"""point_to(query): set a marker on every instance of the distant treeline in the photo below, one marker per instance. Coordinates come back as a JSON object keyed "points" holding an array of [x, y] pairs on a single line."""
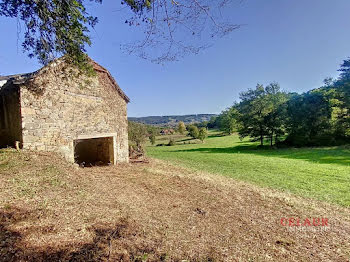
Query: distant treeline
{"points": [[171, 121], [318, 117]]}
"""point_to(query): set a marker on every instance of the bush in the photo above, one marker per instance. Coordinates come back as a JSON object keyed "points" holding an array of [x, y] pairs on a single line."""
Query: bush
{"points": [[152, 139], [181, 128], [203, 134], [193, 131], [137, 137], [171, 142]]}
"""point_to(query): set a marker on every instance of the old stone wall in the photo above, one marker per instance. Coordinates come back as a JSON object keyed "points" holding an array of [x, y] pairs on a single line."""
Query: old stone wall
{"points": [[60, 105]]}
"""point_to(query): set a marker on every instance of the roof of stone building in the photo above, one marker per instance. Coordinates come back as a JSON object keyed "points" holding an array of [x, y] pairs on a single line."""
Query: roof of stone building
{"points": [[19, 78], [99, 68], [22, 78], [8, 77]]}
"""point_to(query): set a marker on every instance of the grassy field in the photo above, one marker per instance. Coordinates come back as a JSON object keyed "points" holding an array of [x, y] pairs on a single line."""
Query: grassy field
{"points": [[151, 212], [320, 173]]}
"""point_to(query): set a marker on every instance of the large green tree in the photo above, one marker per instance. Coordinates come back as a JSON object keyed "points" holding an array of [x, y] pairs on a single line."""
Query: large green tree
{"points": [[321, 116], [57, 27], [309, 119], [275, 117], [253, 109], [342, 94], [318, 117], [52, 27], [261, 113], [227, 120]]}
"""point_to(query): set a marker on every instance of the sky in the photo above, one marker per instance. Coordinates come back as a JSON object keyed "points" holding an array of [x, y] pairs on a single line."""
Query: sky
{"points": [[297, 43]]}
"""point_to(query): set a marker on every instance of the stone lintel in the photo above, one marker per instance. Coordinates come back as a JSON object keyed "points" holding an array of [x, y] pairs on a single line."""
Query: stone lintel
{"points": [[101, 135]]}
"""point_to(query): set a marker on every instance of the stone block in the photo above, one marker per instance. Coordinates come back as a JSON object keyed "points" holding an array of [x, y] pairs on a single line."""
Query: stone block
{"points": [[30, 139], [27, 111]]}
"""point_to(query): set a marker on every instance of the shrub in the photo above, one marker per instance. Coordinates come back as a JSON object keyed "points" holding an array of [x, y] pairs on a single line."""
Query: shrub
{"points": [[152, 139], [203, 134], [171, 142], [193, 131], [137, 137], [181, 128]]}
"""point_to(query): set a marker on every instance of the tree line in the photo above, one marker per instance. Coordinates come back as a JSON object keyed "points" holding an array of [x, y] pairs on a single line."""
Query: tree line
{"points": [[318, 117], [139, 133]]}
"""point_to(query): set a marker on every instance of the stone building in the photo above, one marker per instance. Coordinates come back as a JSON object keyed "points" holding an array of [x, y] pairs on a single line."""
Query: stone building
{"points": [[59, 109]]}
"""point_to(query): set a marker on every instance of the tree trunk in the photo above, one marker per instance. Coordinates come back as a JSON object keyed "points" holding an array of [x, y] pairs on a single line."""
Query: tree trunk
{"points": [[261, 135], [271, 138]]}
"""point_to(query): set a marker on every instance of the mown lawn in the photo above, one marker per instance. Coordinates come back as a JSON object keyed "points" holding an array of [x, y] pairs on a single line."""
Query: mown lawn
{"points": [[320, 173]]}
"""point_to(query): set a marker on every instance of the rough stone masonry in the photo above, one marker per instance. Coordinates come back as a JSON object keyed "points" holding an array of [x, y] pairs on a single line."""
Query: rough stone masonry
{"points": [[53, 108]]}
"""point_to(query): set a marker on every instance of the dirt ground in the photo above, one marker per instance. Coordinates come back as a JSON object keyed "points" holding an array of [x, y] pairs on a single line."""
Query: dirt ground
{"points": [[51, 211]]}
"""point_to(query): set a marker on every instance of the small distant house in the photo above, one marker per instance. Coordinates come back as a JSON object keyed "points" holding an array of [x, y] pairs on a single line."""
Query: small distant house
{"points": [[167, 131], [59, 109]]}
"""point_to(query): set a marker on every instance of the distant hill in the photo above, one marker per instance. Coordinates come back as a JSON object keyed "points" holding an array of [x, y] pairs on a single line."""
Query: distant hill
{"points": [[172, 120]]}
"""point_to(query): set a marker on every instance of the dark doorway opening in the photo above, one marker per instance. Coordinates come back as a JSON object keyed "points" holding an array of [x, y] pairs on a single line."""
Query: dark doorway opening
{"points": [[94, 151], [10, 118]]}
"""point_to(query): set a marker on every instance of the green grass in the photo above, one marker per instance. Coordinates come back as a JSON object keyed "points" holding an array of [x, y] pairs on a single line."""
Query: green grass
{"points": [[320, 173]]}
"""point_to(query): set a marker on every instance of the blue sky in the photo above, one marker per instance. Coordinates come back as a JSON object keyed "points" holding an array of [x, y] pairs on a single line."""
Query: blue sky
{"points": [[294, 42]]}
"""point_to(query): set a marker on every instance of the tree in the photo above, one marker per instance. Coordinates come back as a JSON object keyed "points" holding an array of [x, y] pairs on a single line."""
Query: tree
{"points": [[252, 110], [341, 90], [52, 27], [203, 134], [201, 124], [262, 113], [181, 127], [213, 122], [193, 131], [318, 117], [152, 138], [227, 120], [177, 28], [321, 116], [152, 131], [137, 136], [345, 70], [61, 27], [309, 119], [276, 115]]}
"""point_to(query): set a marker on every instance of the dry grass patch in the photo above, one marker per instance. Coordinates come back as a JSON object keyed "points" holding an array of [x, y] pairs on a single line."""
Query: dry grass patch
{"points": [[153, 212]]}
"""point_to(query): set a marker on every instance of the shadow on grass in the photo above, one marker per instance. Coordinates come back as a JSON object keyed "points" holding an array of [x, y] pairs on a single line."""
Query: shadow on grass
{"points": [[217, 135], [124, 234], [186, 139], [322, 155]]}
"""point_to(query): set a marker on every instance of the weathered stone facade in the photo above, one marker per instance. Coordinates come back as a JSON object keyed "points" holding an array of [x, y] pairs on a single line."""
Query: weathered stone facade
{"points": [[59, 106]]}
